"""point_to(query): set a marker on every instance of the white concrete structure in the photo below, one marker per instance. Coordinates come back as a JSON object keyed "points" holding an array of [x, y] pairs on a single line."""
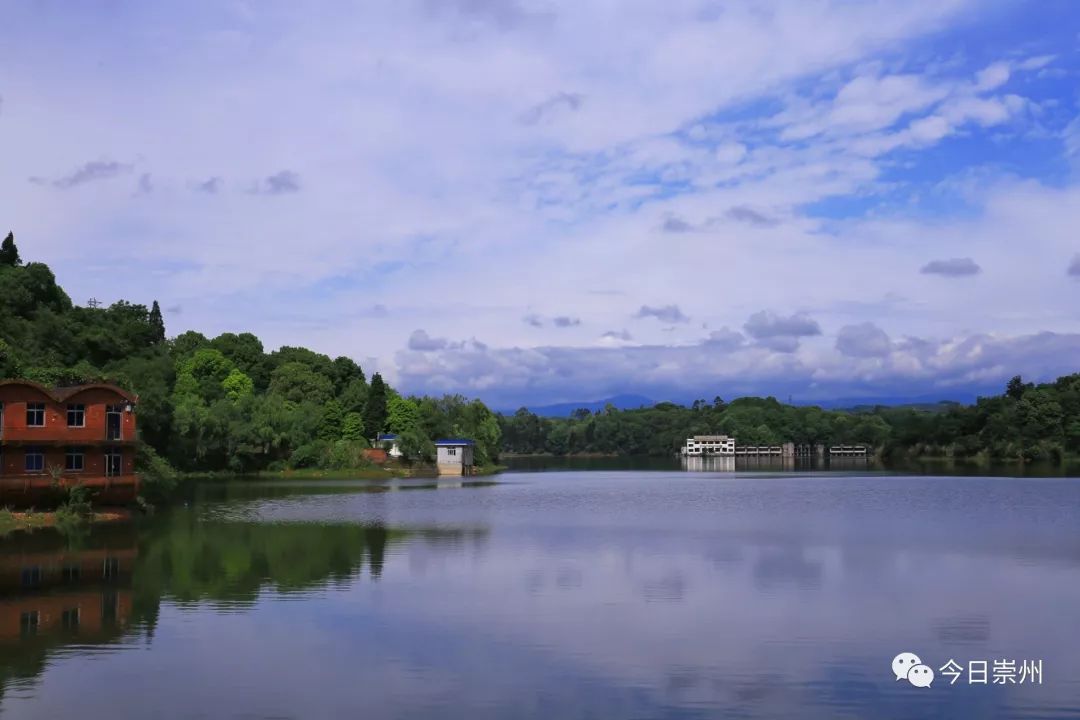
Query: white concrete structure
{"points": [[388, 442], [454, 456], [849, 450], [709, 445]]}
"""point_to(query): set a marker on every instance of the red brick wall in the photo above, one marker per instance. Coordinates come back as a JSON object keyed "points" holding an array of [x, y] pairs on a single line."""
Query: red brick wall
{"points": [[13, 460], [95, 400], [375, 455]]}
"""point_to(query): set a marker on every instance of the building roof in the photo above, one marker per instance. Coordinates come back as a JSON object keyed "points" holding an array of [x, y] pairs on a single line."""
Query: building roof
{"points": [[454, 442], [60, 394], [385, 436]]}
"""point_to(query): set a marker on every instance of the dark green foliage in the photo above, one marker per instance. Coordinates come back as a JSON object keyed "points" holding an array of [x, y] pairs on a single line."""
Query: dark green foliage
{"points": [[354, 398], [159, 480], [416, 447], [296, 381], [344, 371], [375, 409], [157, 323], [245, 351], [352, 428], [332, 421], [9, 254], [187, 343], [331, 455], [10, 365]]}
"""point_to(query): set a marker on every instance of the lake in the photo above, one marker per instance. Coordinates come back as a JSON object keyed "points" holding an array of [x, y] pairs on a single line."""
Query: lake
{"points": [[600, 594]]}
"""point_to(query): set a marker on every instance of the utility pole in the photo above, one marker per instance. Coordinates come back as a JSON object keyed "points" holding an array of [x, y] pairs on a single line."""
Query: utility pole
{"points": [[93, 303]]}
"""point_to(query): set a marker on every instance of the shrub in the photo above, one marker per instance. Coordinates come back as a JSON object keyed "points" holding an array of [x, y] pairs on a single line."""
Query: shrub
{"points": [[308, 455], [159, 479], [346, 455]]}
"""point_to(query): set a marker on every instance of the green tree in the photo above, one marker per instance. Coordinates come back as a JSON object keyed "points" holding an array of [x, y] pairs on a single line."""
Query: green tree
{"points": [[9, 254], [246, 352], [354, 398], [375, 410], [332, 421], [295, 381], [415, 446], [9, 364], [187, 343], [343, 371], [237, 385], [204, 373], [402, 414], [157, 323], [352, 428]]}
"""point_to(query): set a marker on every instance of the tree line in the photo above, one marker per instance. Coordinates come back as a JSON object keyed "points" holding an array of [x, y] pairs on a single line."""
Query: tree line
{"points": [[221, 403], [1026, 422]]}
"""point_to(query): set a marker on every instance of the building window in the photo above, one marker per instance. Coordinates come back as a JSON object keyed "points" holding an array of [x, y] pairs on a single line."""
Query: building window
{"points": [[70, 573], [110, 568], [76, 416], [31, 576], [28, 622], [69, 619], [113, 422], [113, 462], [451, 451], [74, 460], [35, 414], [35, 460]]}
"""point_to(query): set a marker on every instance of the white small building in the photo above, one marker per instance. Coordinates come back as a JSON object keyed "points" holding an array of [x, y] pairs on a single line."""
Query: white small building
{"points": [[389, 443], [454, 456], [709, 445]]}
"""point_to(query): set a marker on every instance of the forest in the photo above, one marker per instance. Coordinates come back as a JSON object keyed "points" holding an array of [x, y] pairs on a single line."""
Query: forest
{"points": [[1026, 422], [221, 403]]}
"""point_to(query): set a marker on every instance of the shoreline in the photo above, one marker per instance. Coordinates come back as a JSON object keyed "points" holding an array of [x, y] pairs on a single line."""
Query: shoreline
{"points": [[23, 520], [375, 473]]}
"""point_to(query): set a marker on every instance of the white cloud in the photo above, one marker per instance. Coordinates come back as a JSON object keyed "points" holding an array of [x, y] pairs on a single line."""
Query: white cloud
{"points": [[992, 77], [474, 164]]}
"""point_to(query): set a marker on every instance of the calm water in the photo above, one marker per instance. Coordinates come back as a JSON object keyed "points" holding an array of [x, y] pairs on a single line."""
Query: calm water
{"points": [[554, 595]]}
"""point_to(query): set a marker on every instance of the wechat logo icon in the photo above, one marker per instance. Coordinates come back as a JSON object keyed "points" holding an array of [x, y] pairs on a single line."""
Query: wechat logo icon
{"points": [[908, 666]]}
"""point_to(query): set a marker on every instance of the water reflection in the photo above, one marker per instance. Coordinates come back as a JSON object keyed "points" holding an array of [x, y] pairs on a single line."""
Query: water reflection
{"points": [[53, 593], [924, 466], [571, 595]]}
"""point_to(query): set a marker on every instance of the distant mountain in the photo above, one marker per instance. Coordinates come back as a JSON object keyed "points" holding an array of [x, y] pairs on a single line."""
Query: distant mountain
{"points": [[926, 403], [622, 402]]}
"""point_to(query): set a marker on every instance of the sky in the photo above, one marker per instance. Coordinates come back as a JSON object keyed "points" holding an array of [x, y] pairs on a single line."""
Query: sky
{"points": [[534, 201]]}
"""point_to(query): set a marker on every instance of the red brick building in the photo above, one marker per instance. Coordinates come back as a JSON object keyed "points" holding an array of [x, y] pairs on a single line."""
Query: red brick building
{"points": [[66, 436]]}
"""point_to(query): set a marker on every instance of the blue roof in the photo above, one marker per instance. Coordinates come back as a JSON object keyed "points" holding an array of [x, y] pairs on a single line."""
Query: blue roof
{"points": [[386, 436], [454, 441]]}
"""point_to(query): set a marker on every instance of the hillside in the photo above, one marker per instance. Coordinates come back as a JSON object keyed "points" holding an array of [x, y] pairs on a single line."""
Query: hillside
{"points": [[221, 403]]}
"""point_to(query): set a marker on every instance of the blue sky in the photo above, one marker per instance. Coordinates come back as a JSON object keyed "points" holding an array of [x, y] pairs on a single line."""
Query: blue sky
{"points": [[535, 201]]}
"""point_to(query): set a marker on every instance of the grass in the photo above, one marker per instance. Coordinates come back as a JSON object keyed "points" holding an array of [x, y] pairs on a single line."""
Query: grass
{"points": [[29, 520], [64, 519]]}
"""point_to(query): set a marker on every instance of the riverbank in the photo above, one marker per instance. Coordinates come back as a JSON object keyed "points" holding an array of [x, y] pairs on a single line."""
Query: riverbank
{"points": [[513, 456], [388, 472], [12, 520]]}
